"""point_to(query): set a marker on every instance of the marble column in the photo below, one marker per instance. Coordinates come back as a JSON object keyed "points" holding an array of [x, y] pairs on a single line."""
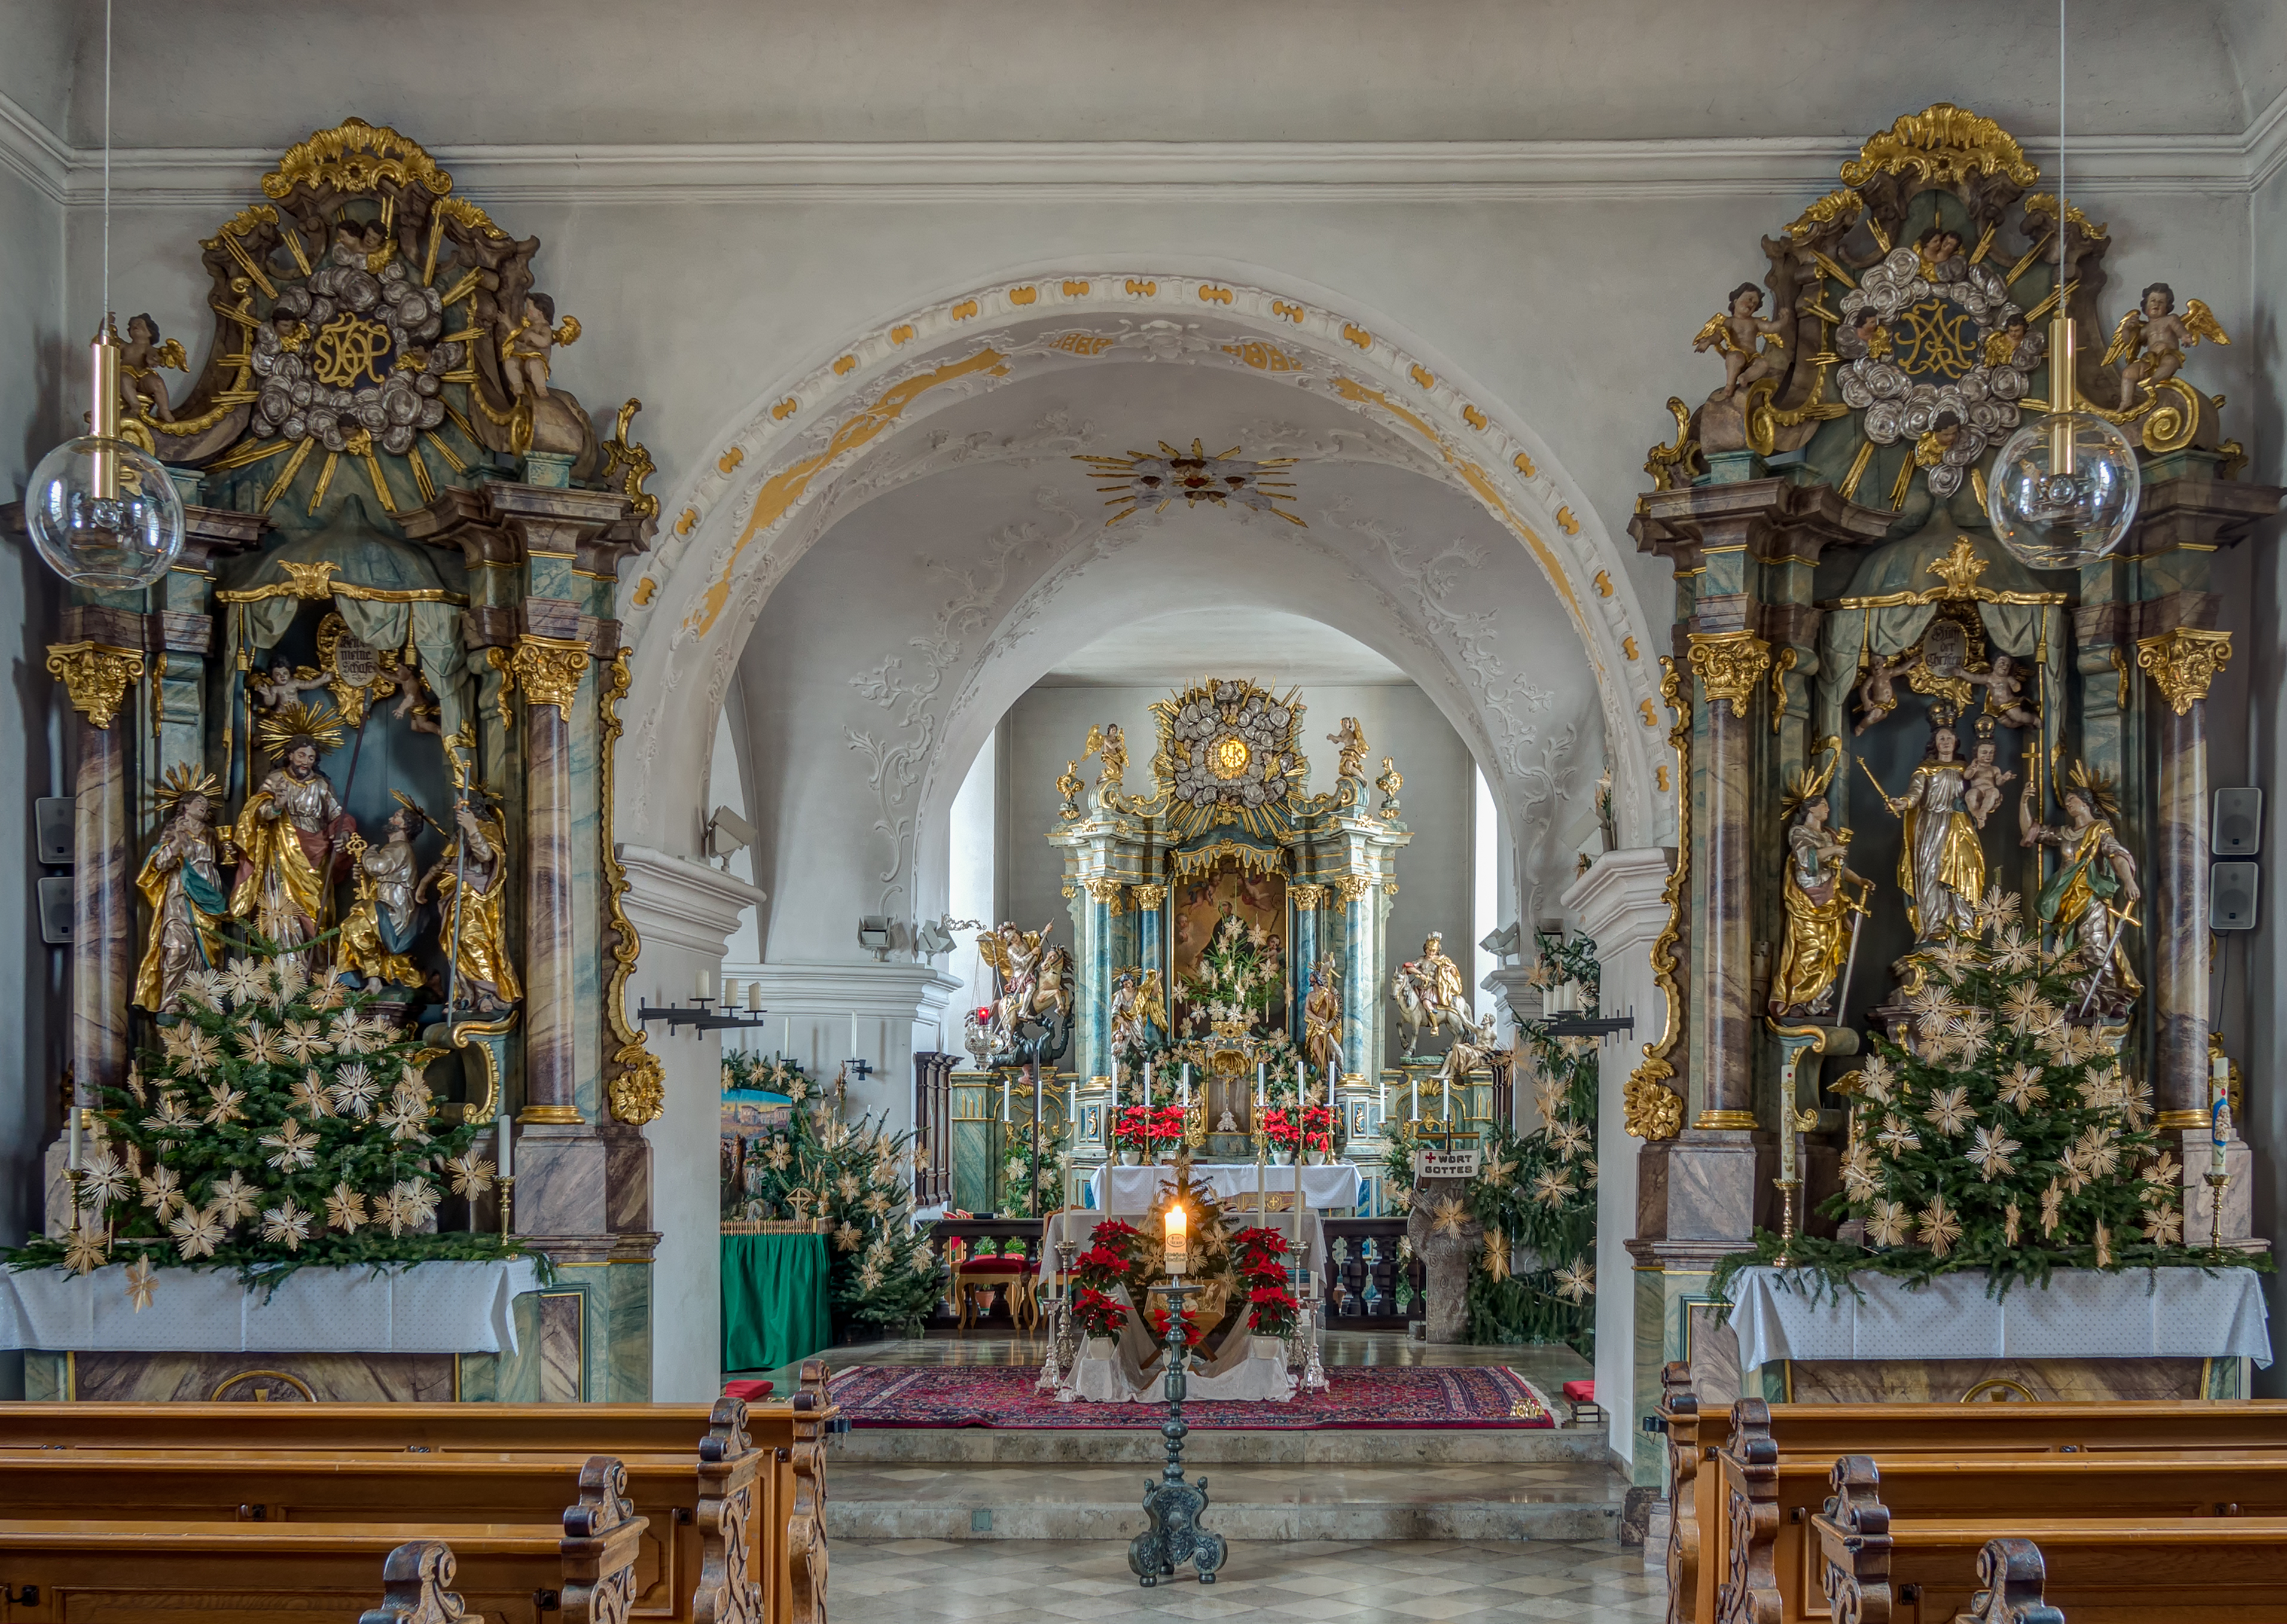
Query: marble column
{"points": [[98, 678], [2183, 663], [1306, 900], [1097, 965], [1361, 922], [1152, 933], [1729, 666]]}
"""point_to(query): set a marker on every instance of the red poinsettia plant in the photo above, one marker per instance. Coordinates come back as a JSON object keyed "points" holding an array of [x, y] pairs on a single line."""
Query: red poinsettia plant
{"points": [[1113, 1260], [1191, 1331], [1146, 1127], [1258, 1259], [1312, 1126]]}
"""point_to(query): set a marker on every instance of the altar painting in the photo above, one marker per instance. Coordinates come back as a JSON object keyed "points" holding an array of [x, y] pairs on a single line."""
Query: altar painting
{"points": [[1257, 900]]}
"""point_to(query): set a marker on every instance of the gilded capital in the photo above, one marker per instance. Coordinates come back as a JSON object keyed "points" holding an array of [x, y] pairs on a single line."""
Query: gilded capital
{"points": [[2183, 662], [96, 675], [1729, 666], [1350, 888], [1102, 892], [1150, 899], [549, 668], [1307, 898]]}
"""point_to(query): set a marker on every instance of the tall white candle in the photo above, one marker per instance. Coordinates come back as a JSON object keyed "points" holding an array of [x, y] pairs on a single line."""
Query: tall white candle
{"points": [[1261, 1085], [1004, 1095], [785, 1035], [1187, 1088], [853, 1034], [506, 1142], [1147, 1083], [75, 1114], [705, 986]]}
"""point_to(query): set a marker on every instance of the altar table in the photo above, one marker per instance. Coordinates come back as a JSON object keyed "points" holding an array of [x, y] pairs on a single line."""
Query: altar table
{"points": [[1113, 1188], [775, 1309], [2082, 1314], [439, 1307]]}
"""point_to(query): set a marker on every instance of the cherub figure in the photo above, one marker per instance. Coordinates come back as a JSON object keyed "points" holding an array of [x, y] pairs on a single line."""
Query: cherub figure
{"points": [[284, 682], [2148, 344], [525, 345], [140, 360], [2004, 692], [2015, 344], [1985, 778], [1734, 333], [418, 701], [1939, 249], [1350, 741], [1878, 692], [1864, 336]]}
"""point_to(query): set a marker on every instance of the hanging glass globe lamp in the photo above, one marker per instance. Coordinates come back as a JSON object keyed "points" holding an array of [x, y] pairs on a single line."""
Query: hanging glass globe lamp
{"points": [[102, 512], [2063, 487]]}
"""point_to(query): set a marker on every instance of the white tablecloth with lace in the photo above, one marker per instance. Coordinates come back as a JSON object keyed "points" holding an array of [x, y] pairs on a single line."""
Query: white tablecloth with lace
{"points": [[1330, 1186], [440, 1307], [2082, 1314]]}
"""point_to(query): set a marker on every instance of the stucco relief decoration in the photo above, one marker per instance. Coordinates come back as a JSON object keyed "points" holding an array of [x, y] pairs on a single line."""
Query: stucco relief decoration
{"points": [[1146, 479]]}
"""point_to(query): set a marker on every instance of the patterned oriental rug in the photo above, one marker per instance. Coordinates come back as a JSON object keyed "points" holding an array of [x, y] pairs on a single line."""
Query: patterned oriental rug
{"points": [[1377, 1396]]}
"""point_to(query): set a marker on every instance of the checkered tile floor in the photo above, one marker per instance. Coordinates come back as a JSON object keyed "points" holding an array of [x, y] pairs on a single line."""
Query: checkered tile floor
{"points": [[933, 1581]]}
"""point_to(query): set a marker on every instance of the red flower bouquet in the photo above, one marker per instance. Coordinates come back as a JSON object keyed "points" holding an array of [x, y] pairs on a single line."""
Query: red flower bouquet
{"points": [[1191, 1331], [1258, 1259], [1097, 1313]]}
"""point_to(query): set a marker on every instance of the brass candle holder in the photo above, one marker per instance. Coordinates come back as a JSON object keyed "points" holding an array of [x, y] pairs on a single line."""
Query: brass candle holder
{"points": [[1786, 1188]]}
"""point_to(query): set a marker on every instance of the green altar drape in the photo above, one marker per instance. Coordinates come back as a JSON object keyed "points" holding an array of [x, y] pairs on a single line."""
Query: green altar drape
{"points": [[774, 1300]]}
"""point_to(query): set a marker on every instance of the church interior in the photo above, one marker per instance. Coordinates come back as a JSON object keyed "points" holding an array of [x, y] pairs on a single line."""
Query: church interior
{"points": [[815, 797]]}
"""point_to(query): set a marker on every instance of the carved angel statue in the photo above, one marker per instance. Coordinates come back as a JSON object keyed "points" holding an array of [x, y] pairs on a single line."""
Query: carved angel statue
{"points": [[140, 360], [1137, 1007], [182, 880], [1349, 739], [418, 701], [1108, 745], [525, 345], [2148, 344], [2004, 692], [1816, 896], [2091, 902], [1733, 334], [1985, 777], [1877, 691], [284, 682], [1016, 957]]}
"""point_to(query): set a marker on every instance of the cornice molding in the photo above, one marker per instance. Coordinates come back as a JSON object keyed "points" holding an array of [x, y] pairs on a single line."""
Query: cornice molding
{"points": [[890, 171], [1622, 900], [676, 902]]}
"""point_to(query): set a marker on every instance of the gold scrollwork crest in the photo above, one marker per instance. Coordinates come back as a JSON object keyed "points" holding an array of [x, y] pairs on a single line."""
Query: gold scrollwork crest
{"points": [[1943, 144], [636, 1091], [1729, 665], [96, 675], [2183, 662]]}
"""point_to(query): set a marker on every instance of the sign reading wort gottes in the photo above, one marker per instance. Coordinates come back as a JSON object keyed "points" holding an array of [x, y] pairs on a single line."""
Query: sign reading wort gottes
{"points": [[1446, 1163]]}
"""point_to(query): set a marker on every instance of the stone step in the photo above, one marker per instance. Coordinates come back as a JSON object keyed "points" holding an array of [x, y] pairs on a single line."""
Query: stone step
{"points": [[1412, 1501], [1142, 1444]]}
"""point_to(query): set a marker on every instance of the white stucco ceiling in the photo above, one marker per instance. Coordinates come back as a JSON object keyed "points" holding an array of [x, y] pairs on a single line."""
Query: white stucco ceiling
{"points": [[1264, 646], [231, 73]]}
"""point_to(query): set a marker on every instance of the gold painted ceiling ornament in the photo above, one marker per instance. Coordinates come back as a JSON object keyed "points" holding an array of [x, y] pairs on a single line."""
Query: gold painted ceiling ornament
{"points": [[1144, 479]]}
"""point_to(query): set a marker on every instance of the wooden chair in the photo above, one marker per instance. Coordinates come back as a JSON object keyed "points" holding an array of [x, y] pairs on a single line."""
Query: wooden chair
{"points": [[1012, 1275]]}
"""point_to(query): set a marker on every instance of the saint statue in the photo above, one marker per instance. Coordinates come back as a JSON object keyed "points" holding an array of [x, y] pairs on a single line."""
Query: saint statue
{"points": [[1815, 896], [1940, 865], [1137, 1007], [1015, 955], [469, 893], [1322, 1018], [380, 928], [182, 881], [287, 834], [2094, 892]]}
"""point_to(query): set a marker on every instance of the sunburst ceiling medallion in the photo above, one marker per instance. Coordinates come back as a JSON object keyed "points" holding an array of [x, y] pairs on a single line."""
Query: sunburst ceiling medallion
{"points": [[1146, 479]]}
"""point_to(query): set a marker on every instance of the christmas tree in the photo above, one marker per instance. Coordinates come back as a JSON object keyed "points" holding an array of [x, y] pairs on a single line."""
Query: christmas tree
{"points": [[279, 1126], [1999, 1133]]}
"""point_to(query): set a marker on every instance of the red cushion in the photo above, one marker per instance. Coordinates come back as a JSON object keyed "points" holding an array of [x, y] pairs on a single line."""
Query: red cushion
{"points": [[1580, 1393], [749, 1391], [993, 1265]]}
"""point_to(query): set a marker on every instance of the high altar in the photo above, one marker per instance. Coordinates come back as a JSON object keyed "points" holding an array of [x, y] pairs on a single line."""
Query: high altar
{"points": [[1230, 919]]}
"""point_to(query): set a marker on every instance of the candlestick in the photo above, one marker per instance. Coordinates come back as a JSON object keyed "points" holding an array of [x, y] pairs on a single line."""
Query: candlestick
{"points": [[1786, 1188], [507, 1204]]}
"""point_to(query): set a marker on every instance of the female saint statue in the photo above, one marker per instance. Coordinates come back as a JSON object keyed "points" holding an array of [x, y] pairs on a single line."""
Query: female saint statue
{"points": [[182, 881], [287, 834], [474, 930], [1940, 865], [1322, 1018], [2089, 902], [1817, 898]]}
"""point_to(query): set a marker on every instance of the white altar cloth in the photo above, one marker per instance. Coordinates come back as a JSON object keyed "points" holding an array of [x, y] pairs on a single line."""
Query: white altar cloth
{"points": [[1112, 1188], [2085, 1313], [1260, 1378], [440, 1307]]}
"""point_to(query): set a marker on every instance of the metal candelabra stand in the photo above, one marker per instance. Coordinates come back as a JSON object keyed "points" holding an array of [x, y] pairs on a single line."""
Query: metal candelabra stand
{"points": [[1173, 1505]]}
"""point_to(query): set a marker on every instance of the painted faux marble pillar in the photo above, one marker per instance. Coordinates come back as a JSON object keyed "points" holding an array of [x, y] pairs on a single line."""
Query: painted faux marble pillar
{"points": [[2183, 662], [549, 671], [98, 678], [1096, 967], [1730, 667], [1152, 932], [1361, 926], [1307, 900]]}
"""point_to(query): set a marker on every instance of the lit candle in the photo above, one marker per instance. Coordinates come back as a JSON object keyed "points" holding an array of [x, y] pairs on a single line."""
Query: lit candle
{"points": [[853, 1034], [1261, 1085], [1179, 1239], [755, 997], [705, 986], [73, 1163], [507, 1141]]}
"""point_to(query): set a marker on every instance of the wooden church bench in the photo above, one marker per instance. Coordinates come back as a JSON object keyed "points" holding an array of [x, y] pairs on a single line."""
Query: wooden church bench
{"points": [[684, 1507], [78, 1571], [1879, 1569], [1770, 1553]]}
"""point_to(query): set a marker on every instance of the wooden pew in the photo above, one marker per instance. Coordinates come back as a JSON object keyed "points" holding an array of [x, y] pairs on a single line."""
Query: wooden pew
{"points": [[685, 1497], [2010, 1580], [787, 1507], [1881, 1569], [77, 1572], [1698, 1557]]}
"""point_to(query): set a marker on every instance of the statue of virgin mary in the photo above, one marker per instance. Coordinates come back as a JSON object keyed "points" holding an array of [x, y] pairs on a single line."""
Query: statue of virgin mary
{"points": [[1940, 865]]}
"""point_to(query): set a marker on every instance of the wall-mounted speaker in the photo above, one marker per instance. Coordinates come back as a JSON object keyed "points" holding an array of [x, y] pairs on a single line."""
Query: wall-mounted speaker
{"points": [[51, 826], [2231, 896], [55, 892], [2236, 830]]}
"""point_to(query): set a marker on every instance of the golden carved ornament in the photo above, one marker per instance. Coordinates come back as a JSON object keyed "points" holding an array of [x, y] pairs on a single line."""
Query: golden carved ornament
{"points": [[1654, 1111], [1727, 1122], [1843, 205], [638, 1089], [627, 461], [1729, 666], [1651, 1109], [1943, 144], [1105, 893], [355, 157], [548, 669], [2045, 203], [1307, 898], [1150, 899], [96, 675], [2183, 662], [1350, 888]]}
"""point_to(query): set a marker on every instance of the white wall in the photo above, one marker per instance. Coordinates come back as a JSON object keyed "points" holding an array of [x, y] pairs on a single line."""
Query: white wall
{"points": [[973, 881]]}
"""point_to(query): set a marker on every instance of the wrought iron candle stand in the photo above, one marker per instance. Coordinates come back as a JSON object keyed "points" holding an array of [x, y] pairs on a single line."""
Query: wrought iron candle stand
{"points": [[1173, 1505]]}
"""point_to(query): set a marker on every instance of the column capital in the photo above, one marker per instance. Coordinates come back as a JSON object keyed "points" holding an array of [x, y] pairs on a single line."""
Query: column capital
{"points": [[1350, 888], [1150, 899], [1102, 891], [2184, 661], [1729, 666], [549, 668], [1307, 897], [96, 675]]}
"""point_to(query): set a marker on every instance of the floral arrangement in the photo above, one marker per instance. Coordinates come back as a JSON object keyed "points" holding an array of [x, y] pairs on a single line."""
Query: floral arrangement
{"points": [[2002, 1136], [1146, 1128], [1238, 976], [1113, 1260], [1311, 1127], [855, 1179], [1258, 1259], [1027, 1191], [1192, 1330], [1282, 1069], [780, 1074], [279, 1126]]}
